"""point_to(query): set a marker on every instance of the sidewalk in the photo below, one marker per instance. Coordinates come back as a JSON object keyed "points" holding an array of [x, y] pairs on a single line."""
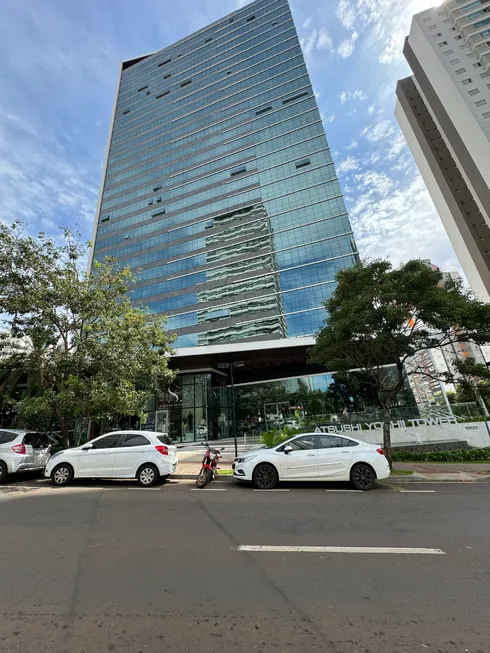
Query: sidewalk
{"points": [[455, 472]]}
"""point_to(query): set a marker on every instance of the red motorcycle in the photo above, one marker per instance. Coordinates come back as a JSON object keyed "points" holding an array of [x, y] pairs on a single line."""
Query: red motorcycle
{"points": [[209, 466]]}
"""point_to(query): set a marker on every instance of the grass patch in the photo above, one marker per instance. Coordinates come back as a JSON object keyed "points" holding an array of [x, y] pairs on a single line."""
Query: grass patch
{"points": [[401, 472], [458, 456]]}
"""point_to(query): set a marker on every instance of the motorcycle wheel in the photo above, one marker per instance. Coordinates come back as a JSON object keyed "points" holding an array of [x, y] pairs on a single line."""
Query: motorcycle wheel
{"points": [[204, 477]]}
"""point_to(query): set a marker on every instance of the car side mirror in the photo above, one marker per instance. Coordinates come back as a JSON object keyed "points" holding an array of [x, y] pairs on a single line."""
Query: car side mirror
{"points": [[87, 446], [288, 449]]}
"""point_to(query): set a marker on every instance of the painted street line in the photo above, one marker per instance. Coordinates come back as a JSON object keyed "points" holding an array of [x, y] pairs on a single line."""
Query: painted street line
{"points": [[271, 490], [207, 489], [338, 549], [417, 491], [137, 489], [343, 490]]}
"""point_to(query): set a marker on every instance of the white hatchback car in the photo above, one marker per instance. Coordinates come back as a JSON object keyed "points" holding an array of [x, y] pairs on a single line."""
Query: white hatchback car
{"points": [[144, 455], [314, 457], [22, 451]]}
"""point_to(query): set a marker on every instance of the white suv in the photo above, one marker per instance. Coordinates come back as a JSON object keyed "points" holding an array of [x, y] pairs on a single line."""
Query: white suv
{"points": [[144, 455], [22, 451]]}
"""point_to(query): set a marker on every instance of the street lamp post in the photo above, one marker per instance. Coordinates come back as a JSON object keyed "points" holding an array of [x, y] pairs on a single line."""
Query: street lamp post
{"points": [[231, 366]]}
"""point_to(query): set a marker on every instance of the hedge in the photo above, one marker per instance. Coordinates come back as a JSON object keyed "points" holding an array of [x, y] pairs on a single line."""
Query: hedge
{"points": [[458, 456]]}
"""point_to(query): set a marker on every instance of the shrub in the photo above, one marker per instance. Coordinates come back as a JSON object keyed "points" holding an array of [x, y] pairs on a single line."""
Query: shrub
{"points": [[457, 456], [276, 436]]}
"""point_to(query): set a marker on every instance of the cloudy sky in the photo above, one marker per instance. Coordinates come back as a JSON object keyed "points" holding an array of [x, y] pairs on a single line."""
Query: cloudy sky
{"points": [[58, 68]]}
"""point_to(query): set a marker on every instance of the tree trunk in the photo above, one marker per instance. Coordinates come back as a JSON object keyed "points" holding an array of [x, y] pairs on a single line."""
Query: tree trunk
{"points": [[65, 435], [63, 424], [387, 434]]}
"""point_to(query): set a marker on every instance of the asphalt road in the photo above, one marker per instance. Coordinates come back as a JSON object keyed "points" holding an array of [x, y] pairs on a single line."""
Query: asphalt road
{"points": [[112, 567]]}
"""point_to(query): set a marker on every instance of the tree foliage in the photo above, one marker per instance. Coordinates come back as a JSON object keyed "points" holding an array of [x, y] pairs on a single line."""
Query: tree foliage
{"points": [[74, 339], [380, 318]]}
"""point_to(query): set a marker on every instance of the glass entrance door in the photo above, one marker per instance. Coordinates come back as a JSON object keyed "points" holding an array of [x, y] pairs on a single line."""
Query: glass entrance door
{"points": [[162, 421]]}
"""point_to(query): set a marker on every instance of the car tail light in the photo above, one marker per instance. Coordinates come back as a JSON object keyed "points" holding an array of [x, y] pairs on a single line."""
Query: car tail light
{"points": [[380, 451], [162, 449], [19, 448]]}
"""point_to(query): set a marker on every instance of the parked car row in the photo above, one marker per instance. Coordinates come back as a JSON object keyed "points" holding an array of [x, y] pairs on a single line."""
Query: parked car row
{"points": [[145, 456], [149, 457]]}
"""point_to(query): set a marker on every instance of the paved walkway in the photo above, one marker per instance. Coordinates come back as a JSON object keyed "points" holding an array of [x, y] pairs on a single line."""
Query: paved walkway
{"points": [[442, 468]]}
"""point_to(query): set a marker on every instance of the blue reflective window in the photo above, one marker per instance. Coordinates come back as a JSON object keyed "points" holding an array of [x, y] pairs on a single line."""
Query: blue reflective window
{"points": [[220, 184]]}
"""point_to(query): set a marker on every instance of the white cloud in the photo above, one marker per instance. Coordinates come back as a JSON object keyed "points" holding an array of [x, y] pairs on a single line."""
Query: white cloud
{"points": [[371, 109], [384, 22], [324, 41], [391, 219], [39, 183], [352, 95], [326, 119], [320, 40], [308, 43], [346, 13], [398, 144], [346, 48], [308, 22], [352, 145], [372, 183], [378, 131], [393, 49], [348, 165]]}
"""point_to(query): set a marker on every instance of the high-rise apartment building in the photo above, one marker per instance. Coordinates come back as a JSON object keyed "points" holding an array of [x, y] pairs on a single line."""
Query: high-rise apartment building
{"points": [[219, 184], [444, 113]]}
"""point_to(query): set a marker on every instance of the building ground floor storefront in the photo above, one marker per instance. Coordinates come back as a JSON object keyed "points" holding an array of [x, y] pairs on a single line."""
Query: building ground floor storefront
{"points": [[250, 388]]}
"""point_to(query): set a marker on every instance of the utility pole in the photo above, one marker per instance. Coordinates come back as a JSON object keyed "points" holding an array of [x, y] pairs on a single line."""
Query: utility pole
{"points": [[231, 366]]}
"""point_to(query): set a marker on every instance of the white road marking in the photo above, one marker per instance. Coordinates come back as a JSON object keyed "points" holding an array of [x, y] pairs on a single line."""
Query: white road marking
{"points": [[417, 491], [271, 490], [339, 549], [135, 489], [343, 490], [208, 489]]}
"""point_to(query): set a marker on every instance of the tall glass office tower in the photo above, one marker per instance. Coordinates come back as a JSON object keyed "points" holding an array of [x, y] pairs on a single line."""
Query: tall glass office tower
{"points": [[219, 184]]}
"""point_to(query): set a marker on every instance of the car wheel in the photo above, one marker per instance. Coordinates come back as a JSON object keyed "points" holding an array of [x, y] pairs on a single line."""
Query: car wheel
{"points": [[265, 477], [147, 475], [62, 474], [3, 472], [362, 476]]}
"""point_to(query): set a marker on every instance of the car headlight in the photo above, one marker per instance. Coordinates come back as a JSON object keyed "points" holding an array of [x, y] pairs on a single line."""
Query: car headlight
{"points": [[245, 459]]}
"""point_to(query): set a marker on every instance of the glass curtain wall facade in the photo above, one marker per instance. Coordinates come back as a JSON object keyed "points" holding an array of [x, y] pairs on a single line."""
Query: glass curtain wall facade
{"points": [[199, 406], [220, 187]]}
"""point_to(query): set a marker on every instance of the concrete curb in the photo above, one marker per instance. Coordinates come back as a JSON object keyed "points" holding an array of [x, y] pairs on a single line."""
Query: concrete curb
{"points": [[221, 479], [428, 479], [386, 481]]}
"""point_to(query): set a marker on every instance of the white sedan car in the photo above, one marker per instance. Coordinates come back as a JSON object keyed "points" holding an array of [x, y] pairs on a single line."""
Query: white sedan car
{"points": [[314, 457], [143, 455]]}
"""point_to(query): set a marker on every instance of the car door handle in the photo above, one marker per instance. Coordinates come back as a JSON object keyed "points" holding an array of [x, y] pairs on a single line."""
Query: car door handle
{"points": [[310, 455]]}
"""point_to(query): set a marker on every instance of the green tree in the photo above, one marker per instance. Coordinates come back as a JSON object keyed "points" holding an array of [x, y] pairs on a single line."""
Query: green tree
{"points": [[74, 339], [472, 382], [380, 317]]}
